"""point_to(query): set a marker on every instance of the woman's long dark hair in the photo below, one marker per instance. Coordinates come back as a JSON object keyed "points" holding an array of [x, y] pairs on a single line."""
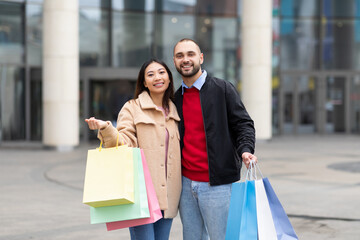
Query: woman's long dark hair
{"points": [[140, 86]]}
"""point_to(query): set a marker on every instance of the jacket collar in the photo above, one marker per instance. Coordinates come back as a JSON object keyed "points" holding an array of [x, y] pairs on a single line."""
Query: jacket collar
{"points": [[147, 103]]}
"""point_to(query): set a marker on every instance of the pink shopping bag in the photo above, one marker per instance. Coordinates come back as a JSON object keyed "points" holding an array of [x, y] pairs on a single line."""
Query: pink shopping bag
{"points": [[154, 208]]}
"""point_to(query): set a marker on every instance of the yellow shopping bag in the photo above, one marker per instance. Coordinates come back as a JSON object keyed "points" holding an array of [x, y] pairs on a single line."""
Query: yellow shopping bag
{"points": [[109, 177]]}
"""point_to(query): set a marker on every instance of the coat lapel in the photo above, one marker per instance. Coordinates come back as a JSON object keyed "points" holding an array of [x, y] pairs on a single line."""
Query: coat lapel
{"points": [[147, 103]]}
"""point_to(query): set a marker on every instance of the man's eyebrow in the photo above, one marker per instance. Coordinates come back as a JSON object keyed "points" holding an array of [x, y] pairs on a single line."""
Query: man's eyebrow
{"points": [[178, 53]]}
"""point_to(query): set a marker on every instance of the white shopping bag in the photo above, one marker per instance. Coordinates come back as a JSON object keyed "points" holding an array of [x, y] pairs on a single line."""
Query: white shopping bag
{"points": [[266, 227]]}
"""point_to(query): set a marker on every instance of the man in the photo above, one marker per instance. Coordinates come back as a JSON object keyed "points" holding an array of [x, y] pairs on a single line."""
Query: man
{"points": [[215, 129]]}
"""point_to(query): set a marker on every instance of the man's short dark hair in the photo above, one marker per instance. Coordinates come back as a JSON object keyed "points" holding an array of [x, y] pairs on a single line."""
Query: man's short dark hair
{"points": [[187, 40]]}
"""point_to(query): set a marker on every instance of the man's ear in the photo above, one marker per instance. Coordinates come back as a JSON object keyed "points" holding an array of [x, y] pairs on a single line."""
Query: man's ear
{"points": [[201, 58]]}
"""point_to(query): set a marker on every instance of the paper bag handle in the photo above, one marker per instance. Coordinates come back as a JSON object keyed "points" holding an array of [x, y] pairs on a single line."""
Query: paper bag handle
{"points": [[117, 142]]}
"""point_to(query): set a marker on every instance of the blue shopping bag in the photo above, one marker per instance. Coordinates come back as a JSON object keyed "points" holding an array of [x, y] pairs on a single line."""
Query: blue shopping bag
{"points": [[248, 227], [242, 222], [236, 205], [284, 229]]}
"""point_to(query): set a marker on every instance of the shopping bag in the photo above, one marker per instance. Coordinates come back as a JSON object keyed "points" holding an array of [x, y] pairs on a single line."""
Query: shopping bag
{"points": [[139, 209], [109, 177], [235, 208], [242, 222], [284, 229], [248, 227], [266, 227], [154, 208]]}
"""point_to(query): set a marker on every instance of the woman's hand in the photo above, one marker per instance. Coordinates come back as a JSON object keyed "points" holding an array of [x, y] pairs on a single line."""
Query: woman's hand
{"points": [[96, 123]]}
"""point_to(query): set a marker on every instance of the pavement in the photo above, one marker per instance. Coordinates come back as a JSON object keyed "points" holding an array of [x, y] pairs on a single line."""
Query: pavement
{"points": [[316, 178]]}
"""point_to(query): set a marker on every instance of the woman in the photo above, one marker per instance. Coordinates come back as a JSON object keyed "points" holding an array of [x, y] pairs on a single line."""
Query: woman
{"points": [[149, 121]]}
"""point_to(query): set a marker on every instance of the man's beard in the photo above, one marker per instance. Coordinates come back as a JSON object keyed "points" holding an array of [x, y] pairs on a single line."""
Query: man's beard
{"points": [[189, 74]]}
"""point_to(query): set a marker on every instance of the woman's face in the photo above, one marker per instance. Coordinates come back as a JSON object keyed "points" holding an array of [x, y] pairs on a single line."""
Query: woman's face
{"points": [[156, 78]]}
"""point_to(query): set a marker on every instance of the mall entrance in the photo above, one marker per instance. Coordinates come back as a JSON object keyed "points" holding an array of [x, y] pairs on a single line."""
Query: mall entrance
{"points": [[319, 102], [103, 92]]}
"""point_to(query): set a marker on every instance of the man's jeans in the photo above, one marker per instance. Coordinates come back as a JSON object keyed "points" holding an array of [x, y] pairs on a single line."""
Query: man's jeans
{"points": [[160, 230], [204, 210]]}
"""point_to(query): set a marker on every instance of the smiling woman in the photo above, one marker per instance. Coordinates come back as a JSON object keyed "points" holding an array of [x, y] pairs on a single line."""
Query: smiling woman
{"points": [[156, 71], [157, 81], [150, 122]]}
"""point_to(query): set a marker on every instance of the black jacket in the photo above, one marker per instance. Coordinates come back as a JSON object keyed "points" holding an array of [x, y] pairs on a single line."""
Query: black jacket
{"points": [[229, 129]]}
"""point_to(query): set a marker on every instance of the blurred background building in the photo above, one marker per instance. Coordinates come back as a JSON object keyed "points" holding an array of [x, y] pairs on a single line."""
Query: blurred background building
{"points": [[315, 59]]}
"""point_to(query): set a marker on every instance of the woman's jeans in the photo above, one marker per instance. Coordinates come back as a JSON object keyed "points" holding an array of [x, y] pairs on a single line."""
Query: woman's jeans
{"points": [[160, 230], [204, 210]]}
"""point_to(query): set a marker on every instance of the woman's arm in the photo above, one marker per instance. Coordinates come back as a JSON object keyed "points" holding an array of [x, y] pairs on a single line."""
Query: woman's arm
{"points": [[125, 128]]}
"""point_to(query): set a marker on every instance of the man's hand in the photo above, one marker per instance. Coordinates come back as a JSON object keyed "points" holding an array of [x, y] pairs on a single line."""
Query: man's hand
{"points": [[246, 157]]}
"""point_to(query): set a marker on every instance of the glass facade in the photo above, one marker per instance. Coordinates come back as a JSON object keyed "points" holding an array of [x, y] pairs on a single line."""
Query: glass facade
{"points": [[94, 37], [35, 104], [275, 63], [34, 34], [107, 97], [131, 38], [299, 44], [12, 104], [299, 104], [315, 57], [320, 35], [355, 104], [11, 33], [319, 44]]}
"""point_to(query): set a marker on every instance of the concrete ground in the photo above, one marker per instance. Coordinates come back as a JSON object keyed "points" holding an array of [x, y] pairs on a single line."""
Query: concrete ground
{"points": [[317, 179]]}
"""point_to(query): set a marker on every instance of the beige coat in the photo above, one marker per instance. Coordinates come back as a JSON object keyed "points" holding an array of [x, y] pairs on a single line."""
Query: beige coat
{"points": [[141, 124]]}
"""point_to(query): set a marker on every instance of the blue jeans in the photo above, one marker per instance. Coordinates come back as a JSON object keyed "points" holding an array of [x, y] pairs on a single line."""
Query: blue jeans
{"points": [[159, 230], [204, 210]]}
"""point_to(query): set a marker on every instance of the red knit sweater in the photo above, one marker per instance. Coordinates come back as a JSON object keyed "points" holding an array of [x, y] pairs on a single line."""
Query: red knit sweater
{"points": [[195, 164]]}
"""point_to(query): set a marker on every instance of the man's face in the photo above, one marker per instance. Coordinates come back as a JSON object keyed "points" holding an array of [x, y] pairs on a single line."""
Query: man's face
{"points": [[187, 58]]}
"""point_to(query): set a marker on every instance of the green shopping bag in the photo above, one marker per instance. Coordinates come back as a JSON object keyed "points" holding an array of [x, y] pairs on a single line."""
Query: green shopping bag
{"points": [[139, 209]]}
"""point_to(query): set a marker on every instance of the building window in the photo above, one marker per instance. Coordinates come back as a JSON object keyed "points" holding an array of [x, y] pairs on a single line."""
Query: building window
{"points": [[94, 37], [34, 34], [12, 105], [11, 33], [131, 38]]}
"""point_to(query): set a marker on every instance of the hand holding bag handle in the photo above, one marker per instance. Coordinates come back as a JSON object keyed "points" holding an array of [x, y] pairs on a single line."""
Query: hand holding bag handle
{"points": [[251, 173], [117, 142]]}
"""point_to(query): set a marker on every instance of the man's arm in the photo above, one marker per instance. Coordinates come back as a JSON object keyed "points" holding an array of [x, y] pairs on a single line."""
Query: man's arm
{"points": [[240, 124]]}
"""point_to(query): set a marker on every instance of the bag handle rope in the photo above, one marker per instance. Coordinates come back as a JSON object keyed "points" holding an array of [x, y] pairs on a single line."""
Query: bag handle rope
{"points": [[117, 142], [251, 173]]}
